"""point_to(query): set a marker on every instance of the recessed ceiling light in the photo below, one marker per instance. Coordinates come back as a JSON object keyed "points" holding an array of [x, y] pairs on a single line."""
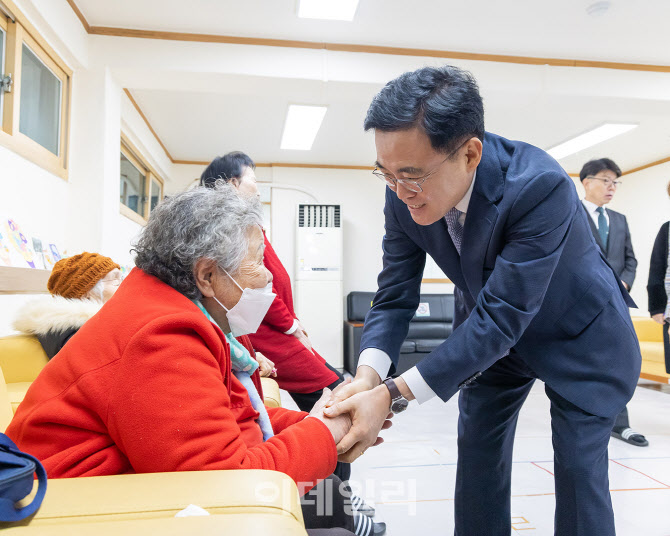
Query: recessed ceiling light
{"points": [[598, 9], [588, 139], [302, 124], [327, 9]]}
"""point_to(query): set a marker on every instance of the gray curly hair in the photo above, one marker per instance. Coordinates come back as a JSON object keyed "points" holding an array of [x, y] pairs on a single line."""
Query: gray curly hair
{"points": [[200, 223]]}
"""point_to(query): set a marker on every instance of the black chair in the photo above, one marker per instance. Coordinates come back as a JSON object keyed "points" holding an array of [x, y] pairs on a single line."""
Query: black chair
{"points": [[429, 328]]}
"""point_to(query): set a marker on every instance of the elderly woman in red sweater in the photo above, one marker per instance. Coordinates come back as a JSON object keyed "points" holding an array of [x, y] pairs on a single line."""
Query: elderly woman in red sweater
{"points": [[157, 381]]}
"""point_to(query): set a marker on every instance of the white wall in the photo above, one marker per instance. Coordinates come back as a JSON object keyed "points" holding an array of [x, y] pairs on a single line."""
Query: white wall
{"points": [[82, 213], [361, 197]]}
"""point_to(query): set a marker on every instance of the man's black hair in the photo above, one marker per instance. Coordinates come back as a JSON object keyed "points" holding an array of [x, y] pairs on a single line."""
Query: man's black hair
{"points": [[443, 101], [226, 167], [592, 167]]}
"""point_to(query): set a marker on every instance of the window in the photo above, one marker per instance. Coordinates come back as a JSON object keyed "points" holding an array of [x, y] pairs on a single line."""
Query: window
{"points": [[133, 180], [3, 46], [40, 102], [141, 189], [34, 113], [156, 193]]}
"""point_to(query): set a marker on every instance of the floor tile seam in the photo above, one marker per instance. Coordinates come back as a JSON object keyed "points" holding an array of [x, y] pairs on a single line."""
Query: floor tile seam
{"points": [[517, 461], [643, 474], [543, 468], [517, 496]]}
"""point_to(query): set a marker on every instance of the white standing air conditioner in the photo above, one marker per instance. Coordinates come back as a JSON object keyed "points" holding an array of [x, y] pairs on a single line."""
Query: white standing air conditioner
{"points": [[318, 278]]}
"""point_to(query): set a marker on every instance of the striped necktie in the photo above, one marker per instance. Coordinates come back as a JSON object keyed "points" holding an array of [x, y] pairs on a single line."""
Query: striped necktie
{"points": [[455, 228]]}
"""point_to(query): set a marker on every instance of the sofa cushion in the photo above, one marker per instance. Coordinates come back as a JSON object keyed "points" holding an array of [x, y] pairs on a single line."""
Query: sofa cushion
{"points": [[429, 330], [435, 308], [358, 305], [432, 307], [427, 345], [408, 347]]}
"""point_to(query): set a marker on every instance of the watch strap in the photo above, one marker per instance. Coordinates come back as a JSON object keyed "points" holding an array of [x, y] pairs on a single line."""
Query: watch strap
{"points": [[393, 388]]}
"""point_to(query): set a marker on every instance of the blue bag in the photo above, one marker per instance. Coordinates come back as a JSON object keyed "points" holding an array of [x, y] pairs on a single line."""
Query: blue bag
{"points": [[17, 471]]}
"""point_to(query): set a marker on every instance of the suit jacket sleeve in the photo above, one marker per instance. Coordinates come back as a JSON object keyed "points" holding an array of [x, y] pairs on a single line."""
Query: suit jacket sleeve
{"points": [[399, 282], [538, 223], [630, 262], [657, 268]]}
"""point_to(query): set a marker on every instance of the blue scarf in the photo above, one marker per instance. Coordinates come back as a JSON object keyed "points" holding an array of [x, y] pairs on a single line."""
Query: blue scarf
{"points": [[244, 366]]}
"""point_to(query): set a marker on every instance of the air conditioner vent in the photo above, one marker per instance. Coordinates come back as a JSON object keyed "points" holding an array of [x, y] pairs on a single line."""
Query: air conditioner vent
{"points": [[318, 215]]}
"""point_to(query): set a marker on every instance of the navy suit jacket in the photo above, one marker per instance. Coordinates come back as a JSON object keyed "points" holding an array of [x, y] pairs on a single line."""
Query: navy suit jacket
{"points": [[619, 250], [530, 280]]}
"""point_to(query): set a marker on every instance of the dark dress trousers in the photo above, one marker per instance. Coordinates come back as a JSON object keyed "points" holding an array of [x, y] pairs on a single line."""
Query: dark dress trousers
{"points": [[530, 279]]}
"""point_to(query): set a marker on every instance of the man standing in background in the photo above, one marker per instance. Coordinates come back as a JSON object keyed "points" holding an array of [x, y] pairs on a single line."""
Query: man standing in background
{"points": [[600, 179]]}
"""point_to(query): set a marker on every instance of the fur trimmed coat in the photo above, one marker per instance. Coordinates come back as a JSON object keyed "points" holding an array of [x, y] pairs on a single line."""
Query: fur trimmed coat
{"points": [[54, 319]]}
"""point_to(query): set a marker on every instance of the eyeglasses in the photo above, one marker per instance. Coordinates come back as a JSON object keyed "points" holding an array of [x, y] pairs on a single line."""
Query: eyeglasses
{"points": [[608, 182], [413, 184]]}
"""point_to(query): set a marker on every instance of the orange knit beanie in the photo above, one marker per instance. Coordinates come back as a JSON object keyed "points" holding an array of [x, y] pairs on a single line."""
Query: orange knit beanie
{"points": [[74, 276]]}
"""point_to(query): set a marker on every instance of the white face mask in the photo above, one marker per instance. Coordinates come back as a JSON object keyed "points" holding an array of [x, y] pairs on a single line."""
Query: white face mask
{"points": [[248, 313]]}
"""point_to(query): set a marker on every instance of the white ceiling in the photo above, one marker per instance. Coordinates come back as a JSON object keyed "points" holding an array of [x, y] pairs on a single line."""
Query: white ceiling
{"points": [[631, 31], [206, 99]]}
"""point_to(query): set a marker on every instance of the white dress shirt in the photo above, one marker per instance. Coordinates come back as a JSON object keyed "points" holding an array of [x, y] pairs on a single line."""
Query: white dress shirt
{"points": [[592, 209], [381, 362]]}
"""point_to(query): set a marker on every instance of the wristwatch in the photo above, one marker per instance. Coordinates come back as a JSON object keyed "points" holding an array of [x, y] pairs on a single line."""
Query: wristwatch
{"points": [[398, 402]]}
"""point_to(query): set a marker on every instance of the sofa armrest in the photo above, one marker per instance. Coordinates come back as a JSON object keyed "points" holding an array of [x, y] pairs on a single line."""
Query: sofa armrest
{"points": [[271, 396], [213, 525], [647, 330], [162, 495], [22, 358]]}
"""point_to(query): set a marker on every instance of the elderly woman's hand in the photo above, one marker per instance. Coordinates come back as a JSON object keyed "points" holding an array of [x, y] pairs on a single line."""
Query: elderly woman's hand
{"points": [[266, 366], [339, 426]]}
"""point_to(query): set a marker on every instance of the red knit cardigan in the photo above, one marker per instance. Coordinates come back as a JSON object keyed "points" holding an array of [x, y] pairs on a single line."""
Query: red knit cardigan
{"points": [[146, 386]]}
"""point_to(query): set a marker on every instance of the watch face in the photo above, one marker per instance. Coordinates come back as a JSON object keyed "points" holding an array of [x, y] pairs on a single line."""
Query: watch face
{"points": [[399, 406]]}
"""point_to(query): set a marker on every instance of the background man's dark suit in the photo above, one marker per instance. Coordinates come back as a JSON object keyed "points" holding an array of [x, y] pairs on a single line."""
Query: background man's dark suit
{"points": [[619, 253], [619, 249]]}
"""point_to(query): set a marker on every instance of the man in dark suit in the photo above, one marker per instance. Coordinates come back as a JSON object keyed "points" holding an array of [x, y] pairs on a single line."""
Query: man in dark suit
{"points": [[534, 299], [600, 179]]}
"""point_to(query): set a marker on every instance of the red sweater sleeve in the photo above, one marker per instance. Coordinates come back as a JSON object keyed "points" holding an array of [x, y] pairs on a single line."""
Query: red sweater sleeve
{"points": [[282, 418], [278, 316], [170, 410]]}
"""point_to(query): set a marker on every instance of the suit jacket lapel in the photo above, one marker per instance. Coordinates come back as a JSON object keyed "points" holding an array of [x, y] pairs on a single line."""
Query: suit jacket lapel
{"points": [[481, 217], [594, 230]]}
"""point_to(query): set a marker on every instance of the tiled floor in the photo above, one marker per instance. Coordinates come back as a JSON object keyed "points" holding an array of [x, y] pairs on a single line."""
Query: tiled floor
{"points": [[410, 477]]}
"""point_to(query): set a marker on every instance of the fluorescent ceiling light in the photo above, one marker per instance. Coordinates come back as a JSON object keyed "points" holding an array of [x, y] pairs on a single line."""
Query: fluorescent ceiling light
{"points": [[327, 9], [588, 139], [302, 124]]}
